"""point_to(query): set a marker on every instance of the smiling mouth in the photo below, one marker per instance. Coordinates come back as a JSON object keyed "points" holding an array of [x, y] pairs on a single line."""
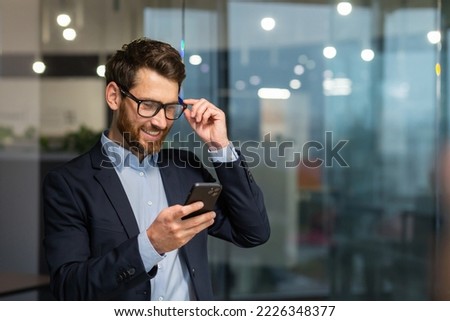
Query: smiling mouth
{"points": [[152, 132]]}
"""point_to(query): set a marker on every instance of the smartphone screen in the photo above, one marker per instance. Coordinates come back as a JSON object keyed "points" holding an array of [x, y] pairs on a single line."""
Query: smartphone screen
{"points": [[208, 193]]}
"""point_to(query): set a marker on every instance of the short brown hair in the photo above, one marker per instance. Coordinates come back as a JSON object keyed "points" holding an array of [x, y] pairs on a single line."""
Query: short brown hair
{"points": [[144, 53]]}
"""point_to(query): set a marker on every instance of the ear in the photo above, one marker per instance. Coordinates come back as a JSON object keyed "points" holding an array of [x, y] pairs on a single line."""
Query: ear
{"points": [[113, 96]]}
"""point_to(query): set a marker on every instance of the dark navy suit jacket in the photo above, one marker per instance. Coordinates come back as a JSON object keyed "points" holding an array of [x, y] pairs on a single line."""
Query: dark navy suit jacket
{"points": [[91, 232]]}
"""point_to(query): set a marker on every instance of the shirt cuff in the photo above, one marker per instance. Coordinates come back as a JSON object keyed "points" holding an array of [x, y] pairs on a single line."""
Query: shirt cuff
{"points": [[148, 253], [224, 155]]}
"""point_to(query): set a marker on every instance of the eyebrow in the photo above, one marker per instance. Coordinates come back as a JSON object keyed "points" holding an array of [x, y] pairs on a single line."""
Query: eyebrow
{"points": [[153, 100]]}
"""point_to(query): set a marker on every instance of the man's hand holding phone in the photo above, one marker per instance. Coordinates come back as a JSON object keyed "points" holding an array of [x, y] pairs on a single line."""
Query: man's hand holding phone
{"points": [[169, 231], [178, 224]]}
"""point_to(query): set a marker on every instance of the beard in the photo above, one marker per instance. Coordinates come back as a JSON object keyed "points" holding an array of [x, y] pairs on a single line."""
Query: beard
{"points": [[131, 136]]}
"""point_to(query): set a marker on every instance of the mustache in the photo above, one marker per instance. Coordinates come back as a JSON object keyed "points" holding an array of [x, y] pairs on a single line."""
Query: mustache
{"points": [[152, 128]]}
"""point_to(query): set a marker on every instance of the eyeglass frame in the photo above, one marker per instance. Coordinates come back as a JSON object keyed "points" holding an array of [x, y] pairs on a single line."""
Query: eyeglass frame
{"points": [[126, 93]]}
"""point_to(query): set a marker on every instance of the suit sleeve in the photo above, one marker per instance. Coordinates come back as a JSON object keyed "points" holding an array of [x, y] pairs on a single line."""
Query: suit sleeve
{"points": [[242, 216], [76, 273]]}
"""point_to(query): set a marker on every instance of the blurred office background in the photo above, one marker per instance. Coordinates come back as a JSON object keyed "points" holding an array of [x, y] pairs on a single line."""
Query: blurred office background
{"points": [[351, 97]]}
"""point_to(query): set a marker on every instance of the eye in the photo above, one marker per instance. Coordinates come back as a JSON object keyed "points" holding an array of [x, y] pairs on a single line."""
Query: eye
{"points": [[148, 104], [171, 107]]}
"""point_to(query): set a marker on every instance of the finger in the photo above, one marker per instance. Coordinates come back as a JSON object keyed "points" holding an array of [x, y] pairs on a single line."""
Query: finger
{"points": [[190, 101], [188, 116], [191, 121], [199, 109], [188, 209], [198, 106], [209, 114], [198, 223], [202, 226]]}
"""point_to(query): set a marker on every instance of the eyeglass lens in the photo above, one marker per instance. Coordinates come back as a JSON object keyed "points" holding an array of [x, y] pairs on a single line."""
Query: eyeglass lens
{"points": [[151, 108]]}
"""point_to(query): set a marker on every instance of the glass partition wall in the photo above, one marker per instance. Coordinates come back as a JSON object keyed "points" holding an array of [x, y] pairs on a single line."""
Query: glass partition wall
{"points": [[339, 107], [335, 105]]}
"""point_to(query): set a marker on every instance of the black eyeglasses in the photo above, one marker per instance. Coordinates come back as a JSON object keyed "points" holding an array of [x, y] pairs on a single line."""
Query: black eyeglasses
{"points": [[148, 108]]}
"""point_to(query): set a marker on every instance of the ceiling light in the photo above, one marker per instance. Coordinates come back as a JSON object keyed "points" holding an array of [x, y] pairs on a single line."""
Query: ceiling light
{"points": [[329, 52], [299, 70], [295, 84], [274, 93], [434, 37], [367, 55], [38, 67], [344, 8], [337, 87], [63, 20], [268, 23], [303, 59], [101, 71], [195, 60], [255, 80], [240, 85], [69, 34]]}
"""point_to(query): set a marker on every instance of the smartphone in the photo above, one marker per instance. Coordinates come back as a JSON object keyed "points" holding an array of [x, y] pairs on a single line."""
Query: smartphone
{"points": [[208, 193]]}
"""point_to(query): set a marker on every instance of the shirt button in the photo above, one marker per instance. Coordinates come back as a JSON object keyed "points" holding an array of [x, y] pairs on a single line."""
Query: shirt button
{"points": [[141, 174], [160, 298], [149, 203], [159, 266]]}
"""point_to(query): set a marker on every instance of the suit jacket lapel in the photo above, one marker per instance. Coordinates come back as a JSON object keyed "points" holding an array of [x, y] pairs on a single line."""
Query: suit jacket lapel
{"points": [[107, 177]]}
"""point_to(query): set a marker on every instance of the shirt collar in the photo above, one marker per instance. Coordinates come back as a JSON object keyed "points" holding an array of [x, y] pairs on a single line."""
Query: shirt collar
{"points": [[122, 157]]}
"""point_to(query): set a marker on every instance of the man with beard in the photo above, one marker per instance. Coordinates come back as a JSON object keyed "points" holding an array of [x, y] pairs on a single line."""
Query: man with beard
{"points": [[113, 216]]}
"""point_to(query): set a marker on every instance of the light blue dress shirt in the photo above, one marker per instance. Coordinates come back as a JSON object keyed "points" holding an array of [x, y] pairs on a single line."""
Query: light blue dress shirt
{"points": [[145, 191]]}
